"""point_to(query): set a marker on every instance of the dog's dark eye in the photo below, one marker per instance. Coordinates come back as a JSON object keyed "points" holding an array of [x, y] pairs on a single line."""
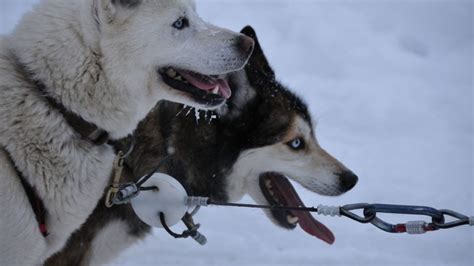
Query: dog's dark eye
{"points": [[296, 144], [181, 23]]}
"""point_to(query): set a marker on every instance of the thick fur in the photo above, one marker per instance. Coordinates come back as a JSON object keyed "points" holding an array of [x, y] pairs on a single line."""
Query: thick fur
{"points": [[100, 59], [210, 156]]}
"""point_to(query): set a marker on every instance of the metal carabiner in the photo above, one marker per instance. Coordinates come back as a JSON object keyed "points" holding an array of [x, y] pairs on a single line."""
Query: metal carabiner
{"points": [[402, 209], [462, 220], [346, 211]]}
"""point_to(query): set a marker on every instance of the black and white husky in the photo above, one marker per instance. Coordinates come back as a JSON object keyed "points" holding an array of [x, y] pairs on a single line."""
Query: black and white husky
{"points": [[262, 137], [75, 73]]}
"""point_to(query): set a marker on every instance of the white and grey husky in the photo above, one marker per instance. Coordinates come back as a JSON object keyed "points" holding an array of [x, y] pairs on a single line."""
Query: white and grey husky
{"points": [[75, 73]]}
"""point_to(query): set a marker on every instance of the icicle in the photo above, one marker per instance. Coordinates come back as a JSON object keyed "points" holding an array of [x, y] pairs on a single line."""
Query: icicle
{"points": [[197, 115], [212, 117]]}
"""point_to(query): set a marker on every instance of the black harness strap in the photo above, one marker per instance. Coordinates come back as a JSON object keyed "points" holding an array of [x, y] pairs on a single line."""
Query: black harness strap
{"points": [[36, 204], [87, 130], [35, 201]]}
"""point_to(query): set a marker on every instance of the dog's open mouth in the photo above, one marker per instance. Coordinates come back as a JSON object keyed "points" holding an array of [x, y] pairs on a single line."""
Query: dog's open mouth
{"points": [[278, 191], [207, 90]]}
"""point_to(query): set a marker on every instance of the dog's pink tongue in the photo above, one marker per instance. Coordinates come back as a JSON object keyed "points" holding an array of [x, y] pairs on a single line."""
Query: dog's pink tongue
{"points": [[305, 219], [314, 227], [207, 83], [224, 88]]}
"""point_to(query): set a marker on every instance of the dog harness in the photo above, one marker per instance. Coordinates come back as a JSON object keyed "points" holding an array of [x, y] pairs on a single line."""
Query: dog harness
{"points": [[35, 201], [87, 130]]}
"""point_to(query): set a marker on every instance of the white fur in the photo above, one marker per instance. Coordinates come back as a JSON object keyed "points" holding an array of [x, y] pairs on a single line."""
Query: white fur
{"points": [[313, 167], [113, 238], [17, 221], [100, 61]]}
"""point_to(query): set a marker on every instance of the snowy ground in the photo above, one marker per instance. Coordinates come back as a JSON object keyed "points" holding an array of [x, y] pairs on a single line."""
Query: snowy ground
{"points": [[390, 83]]}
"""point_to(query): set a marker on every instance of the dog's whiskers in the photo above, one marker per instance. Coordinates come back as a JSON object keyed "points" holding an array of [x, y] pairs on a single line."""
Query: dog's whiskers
{"points": [[180, 111], [189, 111]]}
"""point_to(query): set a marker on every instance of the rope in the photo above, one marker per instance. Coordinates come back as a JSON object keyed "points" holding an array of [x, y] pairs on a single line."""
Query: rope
{"points": [[168, 230], [148, 176], [271, 207]]}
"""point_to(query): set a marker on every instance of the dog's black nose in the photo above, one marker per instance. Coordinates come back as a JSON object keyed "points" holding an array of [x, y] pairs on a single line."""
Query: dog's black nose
{"points": [[245, 43], [348, 180]]}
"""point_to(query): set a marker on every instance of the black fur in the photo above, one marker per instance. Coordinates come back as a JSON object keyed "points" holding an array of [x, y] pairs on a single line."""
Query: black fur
{"points": [[204, 152]]}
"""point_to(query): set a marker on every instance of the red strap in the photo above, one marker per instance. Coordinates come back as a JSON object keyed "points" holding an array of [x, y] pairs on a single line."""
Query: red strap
{"points": [[43, 230], [37, 206], [40, 212]]}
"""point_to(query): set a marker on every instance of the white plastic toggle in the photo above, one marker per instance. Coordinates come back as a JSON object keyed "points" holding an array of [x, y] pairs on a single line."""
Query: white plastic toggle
{"points": [[169, 198], [415, 227], [329, 210]]}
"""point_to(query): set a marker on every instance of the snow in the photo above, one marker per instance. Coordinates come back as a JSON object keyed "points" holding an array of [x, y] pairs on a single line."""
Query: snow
{"points": [[390, 85]]}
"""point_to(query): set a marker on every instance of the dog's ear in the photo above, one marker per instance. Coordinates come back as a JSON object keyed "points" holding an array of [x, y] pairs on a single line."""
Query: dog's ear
{"points": [[109, 9], [258, 63]]}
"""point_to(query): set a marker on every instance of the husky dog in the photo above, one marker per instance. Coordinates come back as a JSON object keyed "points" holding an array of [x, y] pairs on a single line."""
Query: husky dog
{"points": [[77, 72], [264, 135]]}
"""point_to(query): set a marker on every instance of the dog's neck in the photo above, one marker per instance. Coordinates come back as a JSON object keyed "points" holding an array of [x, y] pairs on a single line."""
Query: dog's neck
{"points": [[60, 55]]}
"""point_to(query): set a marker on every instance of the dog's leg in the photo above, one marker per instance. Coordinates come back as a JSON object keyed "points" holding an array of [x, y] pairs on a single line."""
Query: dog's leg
{"points": [[22, 242], [112, 240]]}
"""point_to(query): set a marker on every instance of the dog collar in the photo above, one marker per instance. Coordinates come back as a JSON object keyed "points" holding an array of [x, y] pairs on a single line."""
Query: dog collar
{"points": [[87, 130]]}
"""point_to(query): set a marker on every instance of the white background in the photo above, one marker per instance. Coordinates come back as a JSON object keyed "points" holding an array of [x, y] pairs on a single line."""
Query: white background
{"points": [[390, 86]]}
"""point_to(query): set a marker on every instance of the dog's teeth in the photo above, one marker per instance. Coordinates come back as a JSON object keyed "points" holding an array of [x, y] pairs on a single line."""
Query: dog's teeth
{"points": [[179, 78], [291, 219], [171, 72], [271, 192], [216, 90]]}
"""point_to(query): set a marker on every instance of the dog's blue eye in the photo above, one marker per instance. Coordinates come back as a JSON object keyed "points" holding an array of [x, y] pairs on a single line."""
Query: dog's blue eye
{"points": [[296, 144], [181, 23]]}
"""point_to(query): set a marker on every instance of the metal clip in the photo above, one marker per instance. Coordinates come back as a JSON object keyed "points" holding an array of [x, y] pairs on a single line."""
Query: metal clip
{"points": [[402, 209], [192, 230], [461, 220], [346, 211], [114, 188], [125, 194]]}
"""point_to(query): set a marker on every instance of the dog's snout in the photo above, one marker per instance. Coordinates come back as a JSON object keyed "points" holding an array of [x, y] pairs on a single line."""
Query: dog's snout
{"points": [[348, 180], [246, 44]]}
